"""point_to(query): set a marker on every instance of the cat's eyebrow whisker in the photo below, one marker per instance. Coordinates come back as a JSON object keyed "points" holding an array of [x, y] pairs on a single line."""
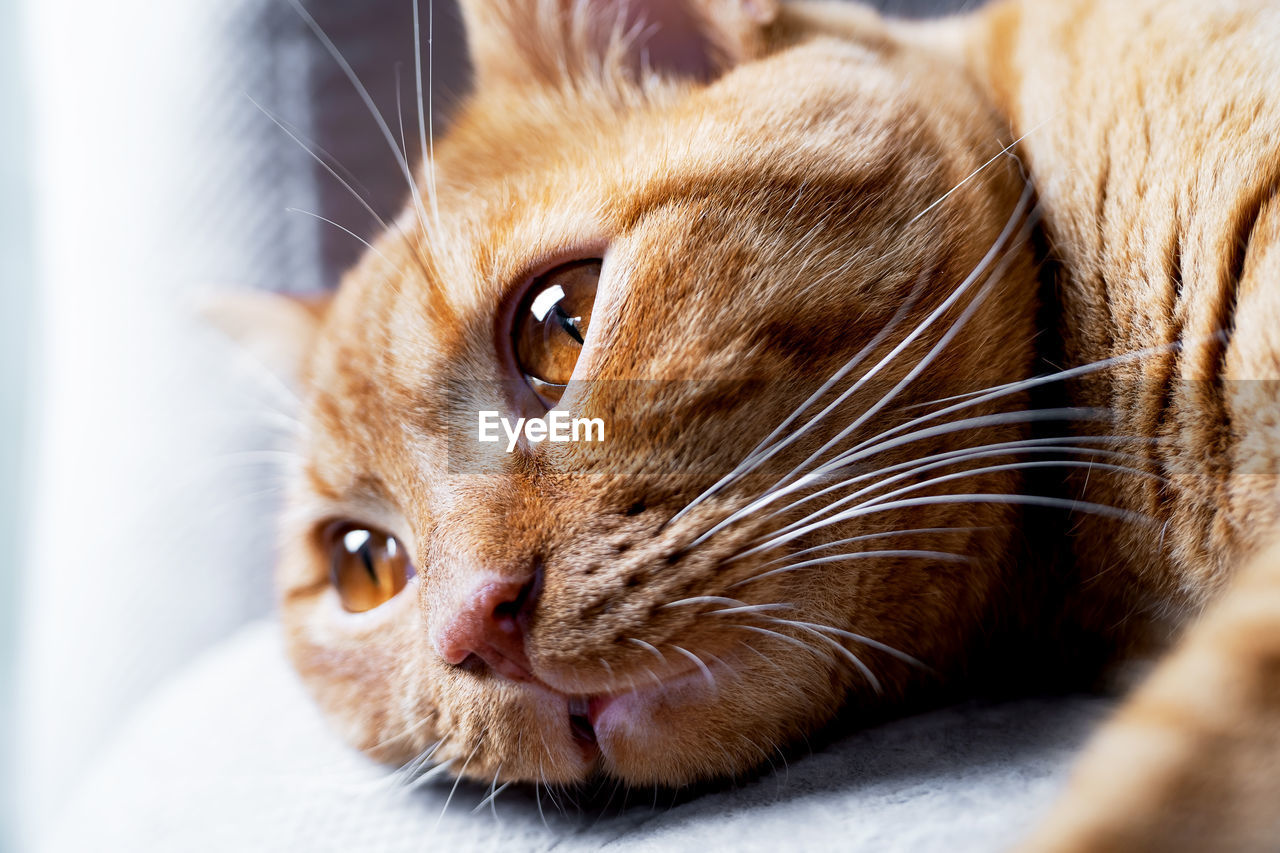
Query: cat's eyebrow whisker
{"points": [[324, 164], [426, 118], [404, 145], [265, 378], [372, 107], [347, 231], [346, 184], [938, 556]]}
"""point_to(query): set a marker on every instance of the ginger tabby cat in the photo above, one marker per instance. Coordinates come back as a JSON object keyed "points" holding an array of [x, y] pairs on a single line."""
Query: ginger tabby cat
{"points": [[780, 252]]}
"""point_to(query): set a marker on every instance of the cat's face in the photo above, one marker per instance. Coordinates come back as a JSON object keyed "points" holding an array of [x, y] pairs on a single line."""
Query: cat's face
{"points": [[721, 250]]}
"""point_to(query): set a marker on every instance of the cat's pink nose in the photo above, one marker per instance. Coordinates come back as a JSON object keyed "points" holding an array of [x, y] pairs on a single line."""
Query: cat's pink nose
{"points": [[490, 627]]}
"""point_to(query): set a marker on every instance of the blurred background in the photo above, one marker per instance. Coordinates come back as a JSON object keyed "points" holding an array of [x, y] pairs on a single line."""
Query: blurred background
{"points": [[16, 369], [154, 154]]}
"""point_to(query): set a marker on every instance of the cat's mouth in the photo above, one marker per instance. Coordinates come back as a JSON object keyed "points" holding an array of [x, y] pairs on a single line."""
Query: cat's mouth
{"points": [[581, 726], [598, 722], [595, 722]]}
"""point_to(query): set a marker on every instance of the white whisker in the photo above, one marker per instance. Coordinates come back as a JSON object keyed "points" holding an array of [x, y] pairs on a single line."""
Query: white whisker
{"points": [[650, 648], [849, 655], [704, 599], [855, 539], [426, 118], [458, 781], [816, 476], [941, 556], [788, 639], [763, 451], [952, 457], [975, 172], [939, 346], [1013, 466], [933, 500], [323, 163], [372, 107], [998, 391], [706, 672], [866, 641], [345, 230], [750, 608]]}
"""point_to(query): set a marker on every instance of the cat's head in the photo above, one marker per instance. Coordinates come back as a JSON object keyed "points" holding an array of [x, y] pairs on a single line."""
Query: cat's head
{"points": [[700, 221]]}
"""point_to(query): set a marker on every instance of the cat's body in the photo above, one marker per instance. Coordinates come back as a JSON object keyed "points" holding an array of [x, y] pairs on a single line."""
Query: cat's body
{"points": [[1153, 137], [831, 190]]}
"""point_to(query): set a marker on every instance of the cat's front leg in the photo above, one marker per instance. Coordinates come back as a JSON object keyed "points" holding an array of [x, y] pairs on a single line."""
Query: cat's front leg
{"points": [[1192, 760]]}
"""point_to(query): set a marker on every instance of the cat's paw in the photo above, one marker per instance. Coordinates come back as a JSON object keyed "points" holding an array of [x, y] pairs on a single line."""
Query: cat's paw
{"points": [[1192, 761]]}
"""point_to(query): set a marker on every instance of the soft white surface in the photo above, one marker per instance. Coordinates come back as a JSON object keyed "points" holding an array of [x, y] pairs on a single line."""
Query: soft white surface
{"points": [[232, 756]]}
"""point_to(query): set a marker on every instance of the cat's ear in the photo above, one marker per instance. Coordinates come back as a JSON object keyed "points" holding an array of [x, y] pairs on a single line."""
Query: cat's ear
{"points": [[276, 330], [551, 42]]}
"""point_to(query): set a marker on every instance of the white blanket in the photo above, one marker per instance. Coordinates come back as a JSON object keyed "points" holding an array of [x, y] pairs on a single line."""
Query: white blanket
{"points": [[232, 756]]}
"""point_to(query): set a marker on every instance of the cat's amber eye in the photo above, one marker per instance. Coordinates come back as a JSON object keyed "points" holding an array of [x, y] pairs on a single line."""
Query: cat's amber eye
{"points": [[551, 326], [367, 567]]}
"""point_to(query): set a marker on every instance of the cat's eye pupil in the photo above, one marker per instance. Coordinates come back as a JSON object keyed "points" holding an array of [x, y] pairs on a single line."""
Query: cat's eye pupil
{"points": [[367, 567], [570, 325], [551, 326]]}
